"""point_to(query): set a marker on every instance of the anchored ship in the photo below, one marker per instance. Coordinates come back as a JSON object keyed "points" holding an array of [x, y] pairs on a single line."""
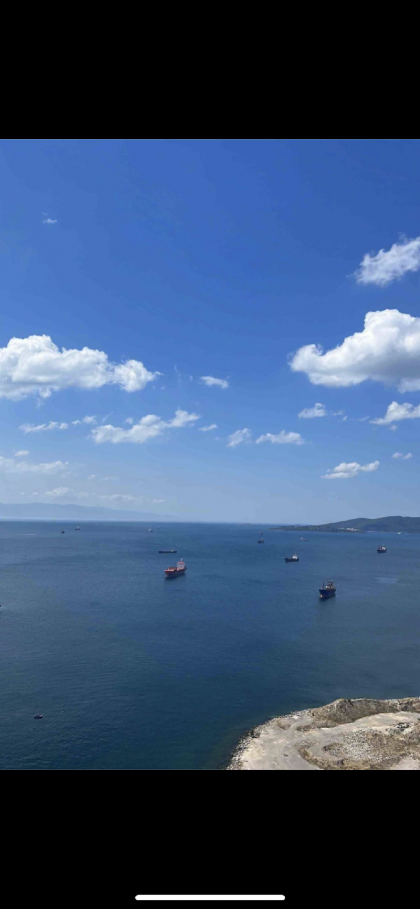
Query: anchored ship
{"points": [[175, 572], [294, 558], [328, 590], [382, 549], [261, 540]]}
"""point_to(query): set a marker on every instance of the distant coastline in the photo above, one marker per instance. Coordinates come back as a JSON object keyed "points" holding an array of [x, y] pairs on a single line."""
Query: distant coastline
{"points": [[38, 511], [359, 525]]}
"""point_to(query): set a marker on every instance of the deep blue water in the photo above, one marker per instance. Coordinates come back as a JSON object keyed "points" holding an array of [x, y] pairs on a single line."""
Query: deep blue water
{"points": [[134, 672]]}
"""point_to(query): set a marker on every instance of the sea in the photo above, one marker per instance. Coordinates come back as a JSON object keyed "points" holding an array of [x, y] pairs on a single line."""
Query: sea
{"points": [[134, 672]]}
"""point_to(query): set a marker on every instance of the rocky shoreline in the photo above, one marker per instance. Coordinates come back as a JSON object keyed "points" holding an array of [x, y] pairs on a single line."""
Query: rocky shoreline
{"points": [[363, 734]]}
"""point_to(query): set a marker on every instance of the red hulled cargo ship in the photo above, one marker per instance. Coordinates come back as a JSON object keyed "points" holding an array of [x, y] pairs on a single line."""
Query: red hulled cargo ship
{"points": [[175, 572]]}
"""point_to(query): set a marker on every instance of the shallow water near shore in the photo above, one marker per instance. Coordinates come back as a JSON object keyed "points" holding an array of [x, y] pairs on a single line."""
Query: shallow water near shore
{"points": [[131, 671]]}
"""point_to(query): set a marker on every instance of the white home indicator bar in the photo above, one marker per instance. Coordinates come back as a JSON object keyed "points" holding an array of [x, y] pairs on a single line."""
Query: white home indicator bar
{"points": [[141, 898]]}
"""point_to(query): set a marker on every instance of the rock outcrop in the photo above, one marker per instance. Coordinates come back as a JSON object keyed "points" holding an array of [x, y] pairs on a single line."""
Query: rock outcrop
{"points": [[362, 734]]}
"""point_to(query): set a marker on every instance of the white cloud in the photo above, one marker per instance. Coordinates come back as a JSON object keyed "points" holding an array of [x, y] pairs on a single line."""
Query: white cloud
{"points": [[388, 351], [36, 366], [210, 381], [348, 471], [63, 492], [149, 427], [129, 420], [398, 456], [238, 437], [21, 454], [48, 220], [209, 428], [283, 438], [158, 501], [397, 412], [118, 497], [386, 266], [88, 420], [312, 412], [9, 465], [92, 476], [44, 427]]}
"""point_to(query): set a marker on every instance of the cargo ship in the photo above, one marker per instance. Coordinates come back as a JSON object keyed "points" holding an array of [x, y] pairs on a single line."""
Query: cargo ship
{"points": [[175, 572], [328, 590], [294, 558], [382, 549]]}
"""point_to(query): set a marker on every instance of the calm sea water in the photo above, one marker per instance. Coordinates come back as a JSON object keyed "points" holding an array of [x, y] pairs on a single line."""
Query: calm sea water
{"points": [[134, 672]]}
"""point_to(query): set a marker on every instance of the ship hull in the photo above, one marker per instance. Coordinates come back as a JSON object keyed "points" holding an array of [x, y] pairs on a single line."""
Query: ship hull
{"points": [[327, 594], [174, 574]]}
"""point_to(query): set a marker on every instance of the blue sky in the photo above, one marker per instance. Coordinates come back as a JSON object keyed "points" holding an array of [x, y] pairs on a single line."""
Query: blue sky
{"points": [[131, 269]]}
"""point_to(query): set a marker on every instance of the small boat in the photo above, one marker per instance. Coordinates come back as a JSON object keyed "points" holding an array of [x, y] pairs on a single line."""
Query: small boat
{"points": [[77, 528], [261, 540], [38, 716], [303, 540], [175, 572], [294, 558], [63, 531], [168, 551], [328, 590], [150, 530], [382, 549]]}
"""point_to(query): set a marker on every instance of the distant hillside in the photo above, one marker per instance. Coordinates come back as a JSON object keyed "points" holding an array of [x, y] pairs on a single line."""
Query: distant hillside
{"points": [[36, 511], [361, 525]]}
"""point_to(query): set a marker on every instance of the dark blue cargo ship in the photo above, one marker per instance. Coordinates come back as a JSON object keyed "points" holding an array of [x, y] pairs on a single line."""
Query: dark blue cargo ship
{"points": [[328, 590]]}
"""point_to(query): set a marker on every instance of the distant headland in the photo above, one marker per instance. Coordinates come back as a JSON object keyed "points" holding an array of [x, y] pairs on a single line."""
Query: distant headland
{"points": [[361, 525]]}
